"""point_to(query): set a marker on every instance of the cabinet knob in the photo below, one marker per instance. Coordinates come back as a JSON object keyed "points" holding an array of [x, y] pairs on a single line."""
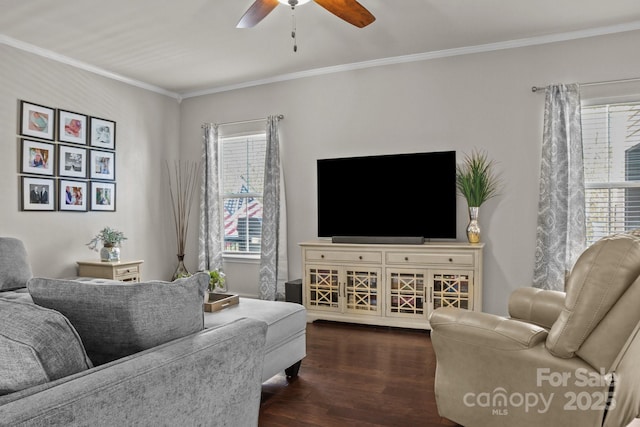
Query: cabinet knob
{"points": [[360, 257], [406, 258], [322, 256], [450, 259]]}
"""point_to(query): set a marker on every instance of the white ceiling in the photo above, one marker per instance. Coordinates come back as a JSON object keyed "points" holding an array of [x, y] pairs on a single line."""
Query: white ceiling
{"points": [[190, 47]]}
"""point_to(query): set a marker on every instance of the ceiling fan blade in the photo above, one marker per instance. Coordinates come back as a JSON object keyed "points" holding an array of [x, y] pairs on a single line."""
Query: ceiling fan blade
{"points": [[256, 13], [349, 10]]}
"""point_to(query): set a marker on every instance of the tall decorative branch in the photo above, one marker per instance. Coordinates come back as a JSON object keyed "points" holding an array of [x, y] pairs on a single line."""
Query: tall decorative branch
{"points": [[183, 183]]}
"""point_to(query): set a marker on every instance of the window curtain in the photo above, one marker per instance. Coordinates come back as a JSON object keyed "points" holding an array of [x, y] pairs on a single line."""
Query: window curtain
{"points": [[273, 261], [561, 232], [209, 236]]}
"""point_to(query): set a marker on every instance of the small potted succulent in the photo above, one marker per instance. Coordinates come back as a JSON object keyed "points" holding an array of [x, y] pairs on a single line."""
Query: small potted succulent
{"points": [[111, 240]]}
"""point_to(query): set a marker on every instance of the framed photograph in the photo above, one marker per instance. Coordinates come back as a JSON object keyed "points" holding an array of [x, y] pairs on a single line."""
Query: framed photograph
{"points": [[72, 161], [103, 196], [103, 133], [37, 121], [72, 127], [102, 165], [37, 157], [72, 195], [38, 194]]}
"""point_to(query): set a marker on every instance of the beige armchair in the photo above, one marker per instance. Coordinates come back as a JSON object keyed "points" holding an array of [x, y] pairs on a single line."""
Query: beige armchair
{"points": [[559, 360]]}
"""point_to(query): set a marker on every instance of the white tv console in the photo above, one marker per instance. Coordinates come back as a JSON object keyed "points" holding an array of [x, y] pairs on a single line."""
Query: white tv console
{"points": [[389, 285]]}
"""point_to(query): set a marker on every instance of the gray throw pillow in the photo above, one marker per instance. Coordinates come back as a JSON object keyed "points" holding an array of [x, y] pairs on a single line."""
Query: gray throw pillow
{"points": [[116, 319], [15, 271], [37, 345]]}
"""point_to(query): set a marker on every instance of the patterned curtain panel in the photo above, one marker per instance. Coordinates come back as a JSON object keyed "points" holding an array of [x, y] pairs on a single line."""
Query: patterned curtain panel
{"points": [[209, 239], [561, 231], [273, 261]]}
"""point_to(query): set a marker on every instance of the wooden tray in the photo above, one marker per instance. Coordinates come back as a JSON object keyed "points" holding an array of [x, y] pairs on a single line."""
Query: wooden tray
{"points": [[219, 301]]}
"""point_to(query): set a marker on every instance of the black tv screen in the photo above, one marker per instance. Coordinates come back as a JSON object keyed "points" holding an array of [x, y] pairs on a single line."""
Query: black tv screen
{"points": [[401, 195]]}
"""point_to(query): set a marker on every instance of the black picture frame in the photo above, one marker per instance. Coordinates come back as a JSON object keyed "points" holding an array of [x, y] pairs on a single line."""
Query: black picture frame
{"points": [[72, 161], [102, 133], [73, 195], [37, 157], [37, 121], [102, 165], [103, 196], [72, 127], [38, 194]]}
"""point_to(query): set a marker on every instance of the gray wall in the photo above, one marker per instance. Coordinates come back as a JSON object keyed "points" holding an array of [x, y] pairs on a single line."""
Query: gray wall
{"points": [[465, 102], [147, 134], [472, 101]]}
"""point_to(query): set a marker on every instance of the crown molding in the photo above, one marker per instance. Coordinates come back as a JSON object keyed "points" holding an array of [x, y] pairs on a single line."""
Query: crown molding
{"points": [[27, 47], [426, 56]]}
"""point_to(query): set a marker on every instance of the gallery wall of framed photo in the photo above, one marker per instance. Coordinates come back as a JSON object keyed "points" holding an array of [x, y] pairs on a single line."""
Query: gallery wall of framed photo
{"points": [[67, 160]]}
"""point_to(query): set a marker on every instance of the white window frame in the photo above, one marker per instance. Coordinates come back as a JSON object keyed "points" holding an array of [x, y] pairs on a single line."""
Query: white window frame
{"points": [[612, 224], [242, 256]]}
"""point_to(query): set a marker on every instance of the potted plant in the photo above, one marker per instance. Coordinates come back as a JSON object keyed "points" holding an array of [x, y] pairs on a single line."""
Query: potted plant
{"points": [[217, 278], [111, 240], [477, 181]]}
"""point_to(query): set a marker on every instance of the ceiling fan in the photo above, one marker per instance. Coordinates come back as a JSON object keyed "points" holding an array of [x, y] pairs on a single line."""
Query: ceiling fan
{"points": [[348, 10]]}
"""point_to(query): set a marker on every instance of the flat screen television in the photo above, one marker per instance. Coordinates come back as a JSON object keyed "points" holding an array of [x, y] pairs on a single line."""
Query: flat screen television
{"points": [[388, 196]]}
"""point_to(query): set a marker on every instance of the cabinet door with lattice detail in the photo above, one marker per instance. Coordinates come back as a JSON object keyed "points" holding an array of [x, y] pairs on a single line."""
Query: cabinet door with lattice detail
{"points": [[323, 288], [406, 293], [362, 290], [452, 289]]}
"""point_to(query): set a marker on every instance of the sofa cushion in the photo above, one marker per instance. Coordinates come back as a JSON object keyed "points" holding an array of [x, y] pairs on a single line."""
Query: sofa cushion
{"points": [[37, 345], [285, 319], [116, 319], [21, 294], [15, 271]]}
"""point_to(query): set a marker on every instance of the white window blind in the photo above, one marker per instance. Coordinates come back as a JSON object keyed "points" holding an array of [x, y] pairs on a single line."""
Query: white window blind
{"points": [[242, 183], [611, 144]]}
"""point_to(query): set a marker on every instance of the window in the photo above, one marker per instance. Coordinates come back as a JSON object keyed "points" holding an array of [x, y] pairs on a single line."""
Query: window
{"points": [[611, 144], [241, 181]]}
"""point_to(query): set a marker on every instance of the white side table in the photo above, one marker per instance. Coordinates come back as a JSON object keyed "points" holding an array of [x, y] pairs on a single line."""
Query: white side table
{"points": [[124, 271]]}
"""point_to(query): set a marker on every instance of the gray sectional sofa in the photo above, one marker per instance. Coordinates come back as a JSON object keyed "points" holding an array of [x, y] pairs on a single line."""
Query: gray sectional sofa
{"points": [[100, 353]]}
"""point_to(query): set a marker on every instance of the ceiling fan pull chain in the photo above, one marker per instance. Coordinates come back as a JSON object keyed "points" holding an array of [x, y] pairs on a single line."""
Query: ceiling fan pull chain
{"points": [[293, 29]]}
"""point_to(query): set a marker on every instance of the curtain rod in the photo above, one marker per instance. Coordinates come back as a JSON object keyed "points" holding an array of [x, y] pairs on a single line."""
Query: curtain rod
{"points": [[239, 122], [635, 79]]}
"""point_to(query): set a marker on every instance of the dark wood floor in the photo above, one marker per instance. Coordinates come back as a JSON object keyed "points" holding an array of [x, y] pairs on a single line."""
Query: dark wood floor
{"points": [[357, 376]]}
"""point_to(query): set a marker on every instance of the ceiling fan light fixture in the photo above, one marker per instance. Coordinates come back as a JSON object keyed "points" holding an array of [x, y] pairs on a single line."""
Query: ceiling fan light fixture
{"points": [[300, 2], [348, 10]]}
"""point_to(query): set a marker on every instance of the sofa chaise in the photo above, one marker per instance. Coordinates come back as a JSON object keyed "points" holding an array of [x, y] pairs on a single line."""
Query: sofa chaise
{"points": [[149, 356]]}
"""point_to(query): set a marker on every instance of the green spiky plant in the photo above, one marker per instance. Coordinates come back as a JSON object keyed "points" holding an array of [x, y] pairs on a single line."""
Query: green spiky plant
{"points": [[476, 179]]}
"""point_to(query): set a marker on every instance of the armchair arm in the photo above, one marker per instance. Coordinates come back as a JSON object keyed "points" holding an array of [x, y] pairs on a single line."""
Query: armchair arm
{"points": [[486, 329], [538, 306], [483, 361]]}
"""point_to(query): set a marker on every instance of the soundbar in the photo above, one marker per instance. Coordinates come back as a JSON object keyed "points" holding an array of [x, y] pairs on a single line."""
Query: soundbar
{"points": [[379, 240]]}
